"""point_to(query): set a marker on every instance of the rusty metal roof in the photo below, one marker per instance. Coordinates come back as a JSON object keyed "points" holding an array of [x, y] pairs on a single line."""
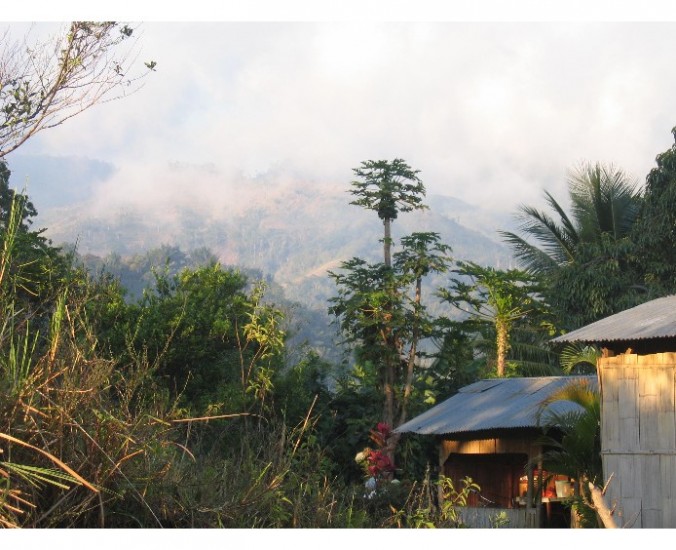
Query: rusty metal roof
{"points": [[654, 319], [493, 404]]}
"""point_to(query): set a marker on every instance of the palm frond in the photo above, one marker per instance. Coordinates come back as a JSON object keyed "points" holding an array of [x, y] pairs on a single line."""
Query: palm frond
{"points": [[572, 437], [579, 358], [567, 225], [555, 240], [580, 392], [604, 201], [529, 256]]}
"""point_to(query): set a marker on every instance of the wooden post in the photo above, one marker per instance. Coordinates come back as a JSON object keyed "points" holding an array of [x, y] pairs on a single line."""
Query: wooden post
{"points": [[574, 516], [538, 495], [442, 460], [529, 491]]}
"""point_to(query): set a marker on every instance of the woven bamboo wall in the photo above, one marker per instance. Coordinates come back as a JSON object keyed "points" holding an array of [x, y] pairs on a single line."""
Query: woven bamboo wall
{"points": [[638, 436]]}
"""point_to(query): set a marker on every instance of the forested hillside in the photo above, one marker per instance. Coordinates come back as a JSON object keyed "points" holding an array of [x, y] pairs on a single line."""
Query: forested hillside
{"points": [[290, 233], [293, 231]]}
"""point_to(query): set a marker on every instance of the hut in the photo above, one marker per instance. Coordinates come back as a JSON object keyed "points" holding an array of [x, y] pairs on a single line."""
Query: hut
{"points": [[637, 377], [490, 431]]}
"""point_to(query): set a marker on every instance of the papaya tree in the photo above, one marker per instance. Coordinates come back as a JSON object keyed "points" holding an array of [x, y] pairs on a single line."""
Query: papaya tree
{"points": [[380, 312], [388, 187], [495, 297], [370, 296], [421, 254]]}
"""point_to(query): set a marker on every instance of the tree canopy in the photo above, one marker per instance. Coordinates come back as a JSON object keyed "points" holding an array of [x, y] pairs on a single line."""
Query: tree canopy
{"points": [[388, 187], [604, 201], [655, 229]]}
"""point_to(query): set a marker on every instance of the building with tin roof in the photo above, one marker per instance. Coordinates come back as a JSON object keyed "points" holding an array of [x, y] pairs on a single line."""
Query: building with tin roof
{"points": [[490, 431], [637, 375]]}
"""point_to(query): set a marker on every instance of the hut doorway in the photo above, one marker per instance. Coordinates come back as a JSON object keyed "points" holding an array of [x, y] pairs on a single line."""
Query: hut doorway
{"points": [[497, 475]]}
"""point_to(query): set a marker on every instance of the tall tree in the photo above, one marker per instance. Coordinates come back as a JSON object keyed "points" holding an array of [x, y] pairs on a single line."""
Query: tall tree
{"points": [[421, 254], [388, 187], [370, 296], [380, 312], [604, 201], [655, 229], [369, 312]]}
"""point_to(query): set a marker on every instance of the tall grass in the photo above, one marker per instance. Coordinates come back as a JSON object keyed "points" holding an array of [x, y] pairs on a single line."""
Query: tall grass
{"points": [[88, 442], [88, 439]]}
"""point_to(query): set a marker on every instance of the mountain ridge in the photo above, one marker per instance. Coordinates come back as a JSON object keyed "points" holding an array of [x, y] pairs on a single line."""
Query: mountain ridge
{"points": [[292, 229]]}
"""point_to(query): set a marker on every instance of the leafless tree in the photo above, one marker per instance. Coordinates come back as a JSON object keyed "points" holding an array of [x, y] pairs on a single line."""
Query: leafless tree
{"points": [[45, 83]]}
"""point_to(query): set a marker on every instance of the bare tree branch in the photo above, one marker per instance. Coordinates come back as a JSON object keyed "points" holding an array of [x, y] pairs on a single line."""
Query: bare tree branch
{"points": [[43, 84]]}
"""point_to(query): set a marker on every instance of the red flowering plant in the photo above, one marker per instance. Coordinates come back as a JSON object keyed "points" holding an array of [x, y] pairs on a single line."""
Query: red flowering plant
{"points": [[375, 462]]}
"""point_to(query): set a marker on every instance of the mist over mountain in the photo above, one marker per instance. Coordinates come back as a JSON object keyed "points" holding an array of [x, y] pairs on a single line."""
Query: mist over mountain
{"points": [[58, 181], [277, 223]]}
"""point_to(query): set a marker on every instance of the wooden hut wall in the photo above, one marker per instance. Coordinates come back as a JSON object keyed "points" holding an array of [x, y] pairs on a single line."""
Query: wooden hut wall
{"points": [[496, 464], [492, 445], [638, 434]]}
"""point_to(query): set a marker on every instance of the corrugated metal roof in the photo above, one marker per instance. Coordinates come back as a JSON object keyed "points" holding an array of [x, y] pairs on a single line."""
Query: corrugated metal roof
{"points": [[654, 319], [492, 404]]}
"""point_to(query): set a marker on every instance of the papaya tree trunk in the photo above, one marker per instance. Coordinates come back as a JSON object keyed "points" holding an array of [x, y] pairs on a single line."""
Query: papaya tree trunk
{"points": [[502, 344], [410, 366], [390, 368], [387, 242]]}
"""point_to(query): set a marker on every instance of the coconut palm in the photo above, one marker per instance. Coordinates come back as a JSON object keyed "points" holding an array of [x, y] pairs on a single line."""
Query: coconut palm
{"points": [[604, 202]]}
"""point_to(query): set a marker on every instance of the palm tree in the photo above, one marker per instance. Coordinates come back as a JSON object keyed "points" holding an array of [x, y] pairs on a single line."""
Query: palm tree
{"points": [[604, 202], [573, 440], [578, 452], [579, 358]]}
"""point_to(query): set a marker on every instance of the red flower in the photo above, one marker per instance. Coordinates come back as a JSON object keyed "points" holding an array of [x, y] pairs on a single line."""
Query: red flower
{"points": [[384, 429], [380, 434], [379, 463]]}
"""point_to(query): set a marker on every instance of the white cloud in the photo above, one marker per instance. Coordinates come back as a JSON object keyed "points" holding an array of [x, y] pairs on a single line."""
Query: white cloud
{"points": [[489, 112]]}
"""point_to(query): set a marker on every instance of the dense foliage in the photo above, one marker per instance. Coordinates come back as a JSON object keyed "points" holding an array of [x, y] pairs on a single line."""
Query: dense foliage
{"points": [[595, 261], [655, 230]]}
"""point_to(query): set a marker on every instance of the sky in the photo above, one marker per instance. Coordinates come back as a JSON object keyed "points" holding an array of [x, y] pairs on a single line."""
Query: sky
{"points": [[492, 107]]}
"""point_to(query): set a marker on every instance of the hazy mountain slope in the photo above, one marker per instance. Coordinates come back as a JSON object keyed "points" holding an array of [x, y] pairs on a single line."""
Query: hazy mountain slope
{"points": [[293, 230], [58, 181]]}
